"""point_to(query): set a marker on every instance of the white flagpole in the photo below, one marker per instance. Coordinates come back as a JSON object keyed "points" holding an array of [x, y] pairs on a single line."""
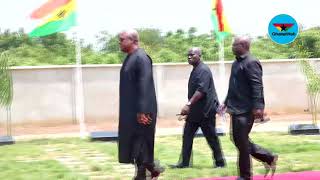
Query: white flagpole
{"points": [[79, 90], [79, 95], [222, 70], [222, 76]]}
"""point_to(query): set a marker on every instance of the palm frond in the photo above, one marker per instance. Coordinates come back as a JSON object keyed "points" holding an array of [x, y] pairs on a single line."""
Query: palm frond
{"points": [[6, 92]]}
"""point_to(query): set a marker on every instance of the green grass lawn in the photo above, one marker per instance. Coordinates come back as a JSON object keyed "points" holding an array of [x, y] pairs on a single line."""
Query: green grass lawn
{"points": [[73, 158]]}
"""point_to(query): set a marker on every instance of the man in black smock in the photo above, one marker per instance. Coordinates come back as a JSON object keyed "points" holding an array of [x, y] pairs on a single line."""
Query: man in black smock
{"points": [[245, 103], [138, 107], [200, 110]]}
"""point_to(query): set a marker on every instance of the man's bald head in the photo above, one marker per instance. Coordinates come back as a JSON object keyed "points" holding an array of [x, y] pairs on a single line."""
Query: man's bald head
{"points": [[129, 41], [196, 50], [131, 34], [241, 45], [194, 56], [244, 41]]}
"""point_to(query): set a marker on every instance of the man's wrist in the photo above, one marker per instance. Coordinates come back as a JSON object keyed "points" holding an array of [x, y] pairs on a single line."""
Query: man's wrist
{"points": [[188, 103]]}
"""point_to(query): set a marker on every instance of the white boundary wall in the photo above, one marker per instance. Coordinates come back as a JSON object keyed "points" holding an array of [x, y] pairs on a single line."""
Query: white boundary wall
{"points": [[46, 94]]}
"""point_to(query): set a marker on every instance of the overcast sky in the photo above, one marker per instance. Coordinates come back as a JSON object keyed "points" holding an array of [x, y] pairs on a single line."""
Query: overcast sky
{"points": [[245, 16]]}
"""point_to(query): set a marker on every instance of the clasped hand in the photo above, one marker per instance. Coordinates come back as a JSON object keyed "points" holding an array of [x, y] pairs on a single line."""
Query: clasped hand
{"points": [[144, 119], [258, 114], [221, 109]]}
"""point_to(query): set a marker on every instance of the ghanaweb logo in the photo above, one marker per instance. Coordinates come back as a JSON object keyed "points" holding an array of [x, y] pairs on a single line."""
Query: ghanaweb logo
{"points": [[283, 29]]}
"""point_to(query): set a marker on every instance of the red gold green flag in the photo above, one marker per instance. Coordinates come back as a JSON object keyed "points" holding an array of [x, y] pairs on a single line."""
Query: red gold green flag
{"points": [[47, 8], [219, 21], [61, 17]]}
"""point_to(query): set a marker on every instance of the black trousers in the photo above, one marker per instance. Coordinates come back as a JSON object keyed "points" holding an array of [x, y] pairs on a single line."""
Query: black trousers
{"points": [[208, 127], [241, 127], [143, 142], [143, 149]]}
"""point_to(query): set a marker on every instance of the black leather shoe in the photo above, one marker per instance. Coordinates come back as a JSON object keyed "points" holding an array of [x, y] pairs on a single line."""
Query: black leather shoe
{"points": [[179, 166]]}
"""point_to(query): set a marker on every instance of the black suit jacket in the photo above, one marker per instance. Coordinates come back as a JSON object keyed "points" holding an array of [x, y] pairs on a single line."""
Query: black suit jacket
{"points": [[245, 91], [201, 80]]}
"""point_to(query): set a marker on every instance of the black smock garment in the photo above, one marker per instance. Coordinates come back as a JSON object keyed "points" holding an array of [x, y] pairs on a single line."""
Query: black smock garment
{"points": [[201, 80], [245, 86], [137, 95]]}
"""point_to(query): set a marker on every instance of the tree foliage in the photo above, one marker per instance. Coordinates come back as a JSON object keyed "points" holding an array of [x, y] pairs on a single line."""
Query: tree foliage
{"points": [[6, 81], [172, 46], [313, 87]]}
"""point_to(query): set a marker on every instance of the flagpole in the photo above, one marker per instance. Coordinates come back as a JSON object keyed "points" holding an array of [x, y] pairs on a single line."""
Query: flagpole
{"points": [[64, 16], [222, 76], [79, 89]]}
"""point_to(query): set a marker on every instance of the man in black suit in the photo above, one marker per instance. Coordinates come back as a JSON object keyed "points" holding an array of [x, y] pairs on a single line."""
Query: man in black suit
{"points": [[245, 104], [200, 110]]}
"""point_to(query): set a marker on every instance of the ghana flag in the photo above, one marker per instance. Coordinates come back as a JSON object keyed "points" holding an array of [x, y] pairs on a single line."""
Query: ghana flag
{"points": [[61, 16], [283, 27], [219, 21]]}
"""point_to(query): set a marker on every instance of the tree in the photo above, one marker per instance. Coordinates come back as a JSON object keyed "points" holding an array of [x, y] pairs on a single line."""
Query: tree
{"points": [[191, 33], [313, 87], [6, 81], [151, 37]]}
